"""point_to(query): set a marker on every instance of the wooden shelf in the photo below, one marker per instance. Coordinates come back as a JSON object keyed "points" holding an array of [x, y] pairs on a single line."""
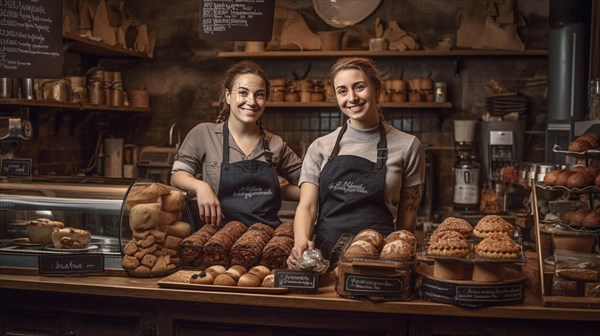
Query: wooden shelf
{"points": [[405, 105], [367, 53], [17, 102], [84, 45]]}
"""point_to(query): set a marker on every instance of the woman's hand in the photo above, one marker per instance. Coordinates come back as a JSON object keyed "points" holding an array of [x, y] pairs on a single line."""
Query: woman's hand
{"points": [[296, 254], [209, 207]]}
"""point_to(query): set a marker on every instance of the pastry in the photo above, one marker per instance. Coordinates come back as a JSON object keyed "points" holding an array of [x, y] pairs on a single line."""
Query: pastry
{"points": [[441, 234], [182, 229], [236, 271], [192, 247], [71, 238], [276, 252], [145, 193], [249, 280], [498, 246], [203, 278], [217, 249], [148, 216], [592, 140], [405, 235], [456, 224], [398, 250], [591, 220], [172, 201], [562, 178], [449, 246], [361, 249], [491, 224], [246, 249], [371, 236], [40, 230], [551, 176], [285, 229], [580, 179]]}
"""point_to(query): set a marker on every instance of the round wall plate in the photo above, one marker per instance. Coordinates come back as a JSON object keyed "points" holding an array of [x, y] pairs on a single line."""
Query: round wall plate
{"points": [[344, 13]]}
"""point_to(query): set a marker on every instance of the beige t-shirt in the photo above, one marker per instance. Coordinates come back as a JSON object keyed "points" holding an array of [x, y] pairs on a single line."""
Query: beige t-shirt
{"points": [[405, 165], [201, 154]]}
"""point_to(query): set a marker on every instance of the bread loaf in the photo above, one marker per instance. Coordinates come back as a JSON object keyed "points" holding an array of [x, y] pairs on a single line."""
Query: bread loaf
{"points": [[579, 180], [40, 230], [71, 238], [173, 201], [148, 216], [551, 176], [561, 180], [145, 193]]}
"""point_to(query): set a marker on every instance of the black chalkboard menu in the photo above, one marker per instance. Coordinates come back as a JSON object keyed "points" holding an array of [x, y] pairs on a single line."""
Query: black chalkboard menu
{"points": [[236, 20], [31, 38]]}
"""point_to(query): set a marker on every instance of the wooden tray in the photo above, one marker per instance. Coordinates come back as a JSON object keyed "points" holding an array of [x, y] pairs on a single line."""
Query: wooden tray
{"points": [[181, 280], [571, 302]]}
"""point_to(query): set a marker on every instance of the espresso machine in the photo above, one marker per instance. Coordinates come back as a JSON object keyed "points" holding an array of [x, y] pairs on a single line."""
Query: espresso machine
{"points": [[12, 131]]}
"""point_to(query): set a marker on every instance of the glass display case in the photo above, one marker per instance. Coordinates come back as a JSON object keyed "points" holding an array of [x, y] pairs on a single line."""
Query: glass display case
{"points": [[89, 203]]}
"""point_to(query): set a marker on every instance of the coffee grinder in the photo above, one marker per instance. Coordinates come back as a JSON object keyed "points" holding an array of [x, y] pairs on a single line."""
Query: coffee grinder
{"points": [[466, 168]]}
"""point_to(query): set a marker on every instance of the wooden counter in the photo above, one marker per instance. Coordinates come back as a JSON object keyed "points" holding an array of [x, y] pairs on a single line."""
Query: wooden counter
{"points": [[161, 310]]}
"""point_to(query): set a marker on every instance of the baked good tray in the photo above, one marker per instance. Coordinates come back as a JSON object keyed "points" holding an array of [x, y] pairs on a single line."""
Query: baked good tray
{"points": [[181, 280], [472, 257], [587, 189], [585, 154]]}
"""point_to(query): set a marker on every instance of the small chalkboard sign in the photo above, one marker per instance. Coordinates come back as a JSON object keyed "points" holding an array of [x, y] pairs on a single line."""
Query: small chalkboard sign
{"points": [[16, 167], [234, 20], [297, 280], [489, 293], [70, 264], [31, 39], [368, 284]]}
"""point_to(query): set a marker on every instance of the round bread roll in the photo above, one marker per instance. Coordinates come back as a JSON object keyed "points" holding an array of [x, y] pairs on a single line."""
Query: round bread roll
{"points": [[405, 235], [224, 280], [590, 139], [361, 249], [371, 236], [268, 281], [575, 218], [591, 220], [579, 180], [236, 271], [215, 270], [579, 145], [249, 280], [561, 180], [397, 250], [203, 278], [551, 176], [260, 271]]}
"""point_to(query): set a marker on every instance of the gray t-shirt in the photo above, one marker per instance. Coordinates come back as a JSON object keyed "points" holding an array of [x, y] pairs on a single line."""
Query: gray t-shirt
{"points": [[405, 165], [201, 154]]}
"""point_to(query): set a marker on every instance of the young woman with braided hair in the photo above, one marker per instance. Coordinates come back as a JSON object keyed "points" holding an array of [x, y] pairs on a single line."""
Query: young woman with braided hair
{"points": [[232, 166]]}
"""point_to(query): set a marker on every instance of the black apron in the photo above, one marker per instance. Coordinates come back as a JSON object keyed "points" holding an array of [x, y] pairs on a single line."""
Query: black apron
{"points": [[249, 190], [351, 195]]}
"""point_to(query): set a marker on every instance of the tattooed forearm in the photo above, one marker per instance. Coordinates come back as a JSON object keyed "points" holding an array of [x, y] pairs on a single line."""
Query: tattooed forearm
{"points": [[411, 197]]}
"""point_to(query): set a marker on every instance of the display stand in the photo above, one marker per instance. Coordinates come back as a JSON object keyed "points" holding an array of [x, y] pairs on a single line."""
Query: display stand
{"points": [[547, 299]]}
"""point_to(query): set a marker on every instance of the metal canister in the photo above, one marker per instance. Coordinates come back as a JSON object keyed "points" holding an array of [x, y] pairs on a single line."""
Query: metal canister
{"points": [[440, 92]]}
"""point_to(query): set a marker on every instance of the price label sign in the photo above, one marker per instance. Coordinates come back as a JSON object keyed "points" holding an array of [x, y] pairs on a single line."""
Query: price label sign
{"points": [[296, 280], [16, 167], [69, 264]]}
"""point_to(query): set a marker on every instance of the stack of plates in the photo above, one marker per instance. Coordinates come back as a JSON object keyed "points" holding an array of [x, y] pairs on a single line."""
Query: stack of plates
{"points": [[501, 105]]}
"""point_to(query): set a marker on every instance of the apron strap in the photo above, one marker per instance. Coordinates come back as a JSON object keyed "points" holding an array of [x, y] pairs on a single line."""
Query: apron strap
{"points": [[336, 147], [225, 163], [382, 151]]}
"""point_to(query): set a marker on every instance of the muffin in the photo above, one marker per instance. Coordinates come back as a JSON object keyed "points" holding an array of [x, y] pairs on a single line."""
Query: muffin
{"points": [[40, 230], [491, 224], [498, 246]]}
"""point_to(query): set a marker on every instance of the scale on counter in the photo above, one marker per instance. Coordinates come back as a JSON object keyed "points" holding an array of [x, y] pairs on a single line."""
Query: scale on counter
{"points": [[155, 163]]}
